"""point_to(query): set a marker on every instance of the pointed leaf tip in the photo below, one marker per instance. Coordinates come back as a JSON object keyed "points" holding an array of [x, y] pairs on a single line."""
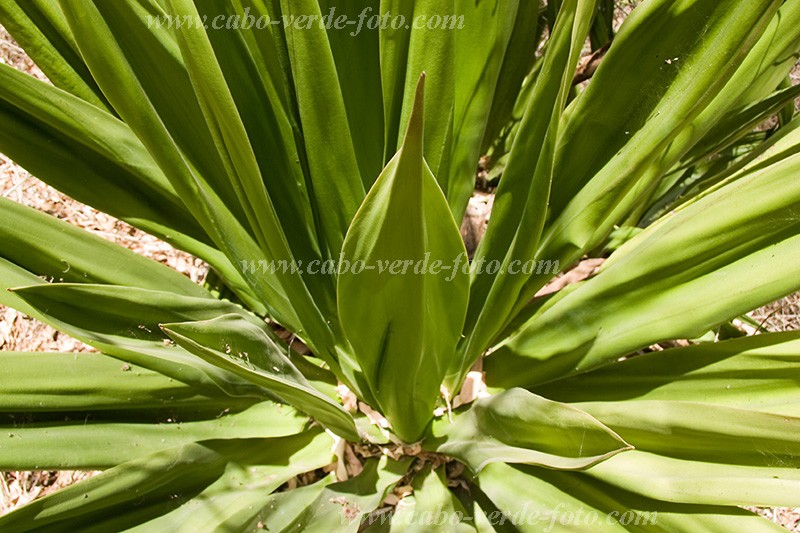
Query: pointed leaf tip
{"points": [[405, 217], [416, 122]]}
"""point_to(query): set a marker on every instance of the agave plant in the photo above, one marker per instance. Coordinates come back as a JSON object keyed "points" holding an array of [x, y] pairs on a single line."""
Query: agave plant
{"points": [[321, 172]]}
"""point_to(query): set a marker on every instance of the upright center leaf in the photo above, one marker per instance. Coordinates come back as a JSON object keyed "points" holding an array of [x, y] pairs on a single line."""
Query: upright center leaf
{"points": [[403, 285]]}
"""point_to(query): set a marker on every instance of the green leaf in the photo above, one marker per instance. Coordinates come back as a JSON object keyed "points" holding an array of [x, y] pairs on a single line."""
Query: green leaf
{"points": [[214, 484], [431, 499], [756, 373], [674, 92], [697, 481], [530, 502], [235, 500], [337, 186], [49, 247], [357, 56], [145, 78], [788, 111], [736, 108], [517, 63], [284, 508], [603, 24], [341, 506], [517, 426], [40, 28], [405, 339], [238, 158], [158, 103], [242, 348], [124, 322], [394, 43], [246, 147], [439, 98], [58, 138], [520, 206], [480, 46], [607, 145], [94, 382], [740, 122], [228, 129], [761, 153], [256, 83], [11, 276], [533, 499], [756, 78], [94, 440], [690, 260], [703, 432], [753, 152]]}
